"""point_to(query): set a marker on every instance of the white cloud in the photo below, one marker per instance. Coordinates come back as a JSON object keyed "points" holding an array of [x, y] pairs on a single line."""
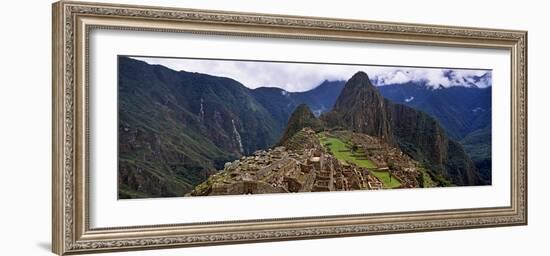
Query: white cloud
{"points": [[433, 77], [294, 77], [409, 99]]}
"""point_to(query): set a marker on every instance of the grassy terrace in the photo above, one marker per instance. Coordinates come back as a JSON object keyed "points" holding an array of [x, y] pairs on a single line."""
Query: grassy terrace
{"points": [[342, 152], [384, 176]]}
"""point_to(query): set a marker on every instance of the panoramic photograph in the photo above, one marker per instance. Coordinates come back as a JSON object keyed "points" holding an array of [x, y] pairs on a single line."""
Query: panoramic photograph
{"points": [[209, 127]]}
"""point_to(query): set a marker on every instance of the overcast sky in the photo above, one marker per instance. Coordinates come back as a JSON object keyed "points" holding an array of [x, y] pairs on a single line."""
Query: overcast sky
{"points": [[295, 77]]}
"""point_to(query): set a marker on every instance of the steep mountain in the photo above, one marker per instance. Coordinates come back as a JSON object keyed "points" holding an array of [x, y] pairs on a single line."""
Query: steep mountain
{"points": [[478, 146], [362, 108], [464, 113], [301, 117], [176, 128]]}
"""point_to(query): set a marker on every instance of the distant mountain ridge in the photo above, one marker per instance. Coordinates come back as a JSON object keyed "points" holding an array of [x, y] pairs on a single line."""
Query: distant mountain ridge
{"points": [[319, 99], [461, 110]]}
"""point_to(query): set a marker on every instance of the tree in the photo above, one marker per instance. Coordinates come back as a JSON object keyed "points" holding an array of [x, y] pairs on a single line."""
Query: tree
{"points": [[354, 148], [391, 165]]}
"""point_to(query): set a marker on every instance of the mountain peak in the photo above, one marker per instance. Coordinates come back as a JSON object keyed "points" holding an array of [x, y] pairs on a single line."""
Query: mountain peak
{"points": [[302, 117], [361, 107], [360, 75], [302, 109], [359, 83], [359, 79], [357, 88], [330, 83]]}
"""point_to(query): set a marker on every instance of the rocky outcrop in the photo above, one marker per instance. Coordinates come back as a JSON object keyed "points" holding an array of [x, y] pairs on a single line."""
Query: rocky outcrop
{"points": [[301, 117], [421, 136], [361, 108]]}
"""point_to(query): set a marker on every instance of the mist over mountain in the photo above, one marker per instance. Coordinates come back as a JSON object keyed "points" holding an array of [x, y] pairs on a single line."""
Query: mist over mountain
{"points": [[303, 76], [433, 78], [461, 110]]}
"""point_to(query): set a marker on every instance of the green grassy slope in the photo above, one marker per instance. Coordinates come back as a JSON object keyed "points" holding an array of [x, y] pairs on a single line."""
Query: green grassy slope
{"points": [[342, 151]]}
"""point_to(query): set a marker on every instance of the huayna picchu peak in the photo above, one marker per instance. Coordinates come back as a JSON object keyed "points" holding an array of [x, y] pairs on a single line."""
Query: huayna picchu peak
{"points": [[361, 108]]}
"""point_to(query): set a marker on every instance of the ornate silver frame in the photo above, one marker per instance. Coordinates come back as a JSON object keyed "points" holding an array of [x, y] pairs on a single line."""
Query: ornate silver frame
{"points": [[72, 22]]}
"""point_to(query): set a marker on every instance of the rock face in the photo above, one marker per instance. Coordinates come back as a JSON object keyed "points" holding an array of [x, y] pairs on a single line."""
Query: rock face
{"points": [[301, 117], [421, 136], [177, 128], [361, 107], [464, 113]]}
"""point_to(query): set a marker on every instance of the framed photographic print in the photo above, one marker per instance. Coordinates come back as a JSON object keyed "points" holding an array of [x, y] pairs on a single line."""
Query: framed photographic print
{"points": [[179, 127]]}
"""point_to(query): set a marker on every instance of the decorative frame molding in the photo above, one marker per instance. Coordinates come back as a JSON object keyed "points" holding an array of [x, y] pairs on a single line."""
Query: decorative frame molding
{"points": [[72, 22]]}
